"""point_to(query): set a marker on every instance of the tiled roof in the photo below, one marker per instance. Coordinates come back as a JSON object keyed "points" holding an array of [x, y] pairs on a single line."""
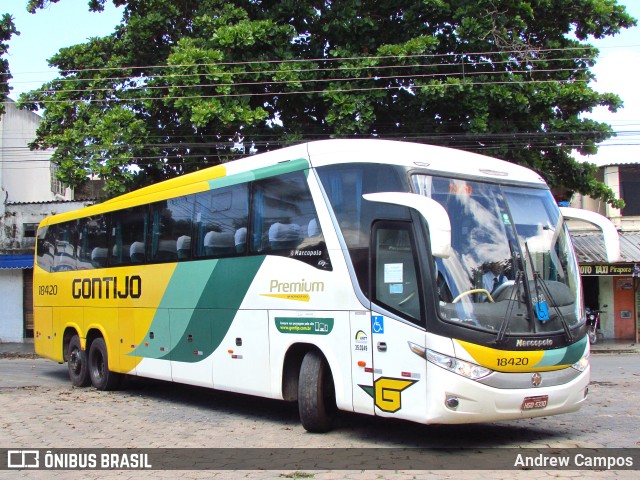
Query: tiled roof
{"points": [[51, 202], [589, 247]]}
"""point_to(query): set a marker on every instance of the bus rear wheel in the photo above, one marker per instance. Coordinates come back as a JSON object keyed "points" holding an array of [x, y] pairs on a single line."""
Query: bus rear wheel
{"points": [[316, 394], [77, 363], [101, 377]]}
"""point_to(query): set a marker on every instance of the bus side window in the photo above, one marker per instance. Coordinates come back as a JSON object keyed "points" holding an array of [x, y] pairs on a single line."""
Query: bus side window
{"points": [[284, 217], [221, 217], [128, 236], [345, 185], [396, 282], [46, 247], [171, 227], [92, 243], [66, 237]]}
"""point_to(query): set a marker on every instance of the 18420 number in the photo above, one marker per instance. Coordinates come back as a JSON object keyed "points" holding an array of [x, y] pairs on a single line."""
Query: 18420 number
{"points": [[48, 289], [513, 361]]}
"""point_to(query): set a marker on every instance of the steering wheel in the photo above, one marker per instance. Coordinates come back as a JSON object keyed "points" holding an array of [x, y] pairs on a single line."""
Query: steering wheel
{"points": [[411, 295], [502, 287], [475, 290]]}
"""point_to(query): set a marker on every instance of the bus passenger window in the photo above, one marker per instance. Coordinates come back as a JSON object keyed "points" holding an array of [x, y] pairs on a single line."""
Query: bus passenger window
{"points": [[171, 229], [221, 217], [284, 216], [64, 258], [128, 236], [46, 247], [92, 243]]}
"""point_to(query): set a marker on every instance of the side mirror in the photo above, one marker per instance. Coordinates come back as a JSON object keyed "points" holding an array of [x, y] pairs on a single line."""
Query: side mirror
{"points": [[609, 231], [433, 213]]}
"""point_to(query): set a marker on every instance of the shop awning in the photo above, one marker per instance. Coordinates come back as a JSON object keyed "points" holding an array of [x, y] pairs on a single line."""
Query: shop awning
{"points": [[16, 261], [589, 247]]}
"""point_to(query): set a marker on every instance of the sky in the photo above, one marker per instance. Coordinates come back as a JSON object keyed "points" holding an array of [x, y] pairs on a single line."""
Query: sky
{"points": [[69, 22]]}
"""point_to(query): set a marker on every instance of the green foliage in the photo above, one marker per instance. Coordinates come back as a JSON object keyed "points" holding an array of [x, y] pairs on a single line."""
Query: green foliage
{"points": [[94, 5], [7, 29], [179, 81]]}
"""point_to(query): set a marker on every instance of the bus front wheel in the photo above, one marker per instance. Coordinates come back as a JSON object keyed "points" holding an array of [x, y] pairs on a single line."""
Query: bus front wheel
{"points": [[316, 394], [101, 377], [77, 363]]}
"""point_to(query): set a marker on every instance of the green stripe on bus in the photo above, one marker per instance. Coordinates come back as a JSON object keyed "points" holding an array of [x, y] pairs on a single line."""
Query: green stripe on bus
{"points": [[200, 305], [260, 173], [574, 352]]}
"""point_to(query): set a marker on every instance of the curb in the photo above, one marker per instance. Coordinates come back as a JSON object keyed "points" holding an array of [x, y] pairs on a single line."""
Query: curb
{"points": [[11, 355], [620, 351]]}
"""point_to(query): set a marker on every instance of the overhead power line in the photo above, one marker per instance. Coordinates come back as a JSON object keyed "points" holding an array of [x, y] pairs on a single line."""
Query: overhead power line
{"points": [[462, 64], [265, 83], [533, 53], [16, 158], [399, 88], [487, 62]]}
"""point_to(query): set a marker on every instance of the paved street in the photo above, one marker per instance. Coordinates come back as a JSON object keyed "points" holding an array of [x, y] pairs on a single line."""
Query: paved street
{"points": [[39, 408]]}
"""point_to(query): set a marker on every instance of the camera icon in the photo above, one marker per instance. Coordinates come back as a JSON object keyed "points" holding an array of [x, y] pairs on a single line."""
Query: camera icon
{"points": [[23, 459]]}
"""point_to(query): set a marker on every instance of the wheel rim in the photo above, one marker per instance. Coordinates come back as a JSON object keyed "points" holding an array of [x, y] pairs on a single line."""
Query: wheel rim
{"points": [[98, 366], [101, 366], [75, 361]]}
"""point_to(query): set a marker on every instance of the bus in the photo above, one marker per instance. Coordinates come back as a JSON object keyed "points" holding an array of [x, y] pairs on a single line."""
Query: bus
{"points": [[339, 274]]}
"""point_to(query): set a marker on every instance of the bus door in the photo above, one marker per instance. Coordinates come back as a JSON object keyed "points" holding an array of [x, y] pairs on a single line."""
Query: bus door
{"points": [[399, 380]]}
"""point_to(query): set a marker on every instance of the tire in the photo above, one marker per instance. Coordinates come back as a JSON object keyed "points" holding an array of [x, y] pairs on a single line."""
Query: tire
{"points": [[101, 377], [593, 337], [316, 394], [77, 364]]}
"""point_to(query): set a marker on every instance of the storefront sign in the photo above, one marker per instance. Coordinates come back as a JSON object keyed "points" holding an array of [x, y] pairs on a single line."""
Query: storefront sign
{"points": [[611, 269]]}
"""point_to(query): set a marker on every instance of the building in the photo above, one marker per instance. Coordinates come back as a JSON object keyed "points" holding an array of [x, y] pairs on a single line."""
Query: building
{"points": [[613, 288], [29, 191]]}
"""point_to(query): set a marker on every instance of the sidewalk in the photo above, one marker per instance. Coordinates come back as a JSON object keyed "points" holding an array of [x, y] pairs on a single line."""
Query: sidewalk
{"points": [[18, 350], [615, 346], [25, 350]]}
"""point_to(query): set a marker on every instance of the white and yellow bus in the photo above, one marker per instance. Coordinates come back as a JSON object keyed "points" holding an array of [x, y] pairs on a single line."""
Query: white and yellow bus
{"points": [[341, 274]]}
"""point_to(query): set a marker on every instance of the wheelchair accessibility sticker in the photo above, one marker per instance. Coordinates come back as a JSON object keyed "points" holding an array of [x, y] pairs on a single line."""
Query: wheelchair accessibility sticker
{"points": [[377, 324]]}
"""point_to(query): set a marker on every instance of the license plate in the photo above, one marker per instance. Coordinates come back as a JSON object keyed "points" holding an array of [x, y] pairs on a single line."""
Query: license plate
{"points": [[533, 403]]}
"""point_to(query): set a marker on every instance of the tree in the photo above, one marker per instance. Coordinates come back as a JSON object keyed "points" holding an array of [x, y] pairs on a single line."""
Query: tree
{"points": [[179, 80], [7, 29]]}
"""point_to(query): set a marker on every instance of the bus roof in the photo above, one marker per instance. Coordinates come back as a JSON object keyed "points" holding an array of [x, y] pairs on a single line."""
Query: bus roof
{"points": [[429, 158]]}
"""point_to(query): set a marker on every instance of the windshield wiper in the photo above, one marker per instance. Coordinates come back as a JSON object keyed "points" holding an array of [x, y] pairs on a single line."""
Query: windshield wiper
{"points": [[540, 284], [514, 297], [519, 282]]}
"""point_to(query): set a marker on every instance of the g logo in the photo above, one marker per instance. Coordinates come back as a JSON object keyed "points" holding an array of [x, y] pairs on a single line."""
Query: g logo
{"points": [[388, 393]]}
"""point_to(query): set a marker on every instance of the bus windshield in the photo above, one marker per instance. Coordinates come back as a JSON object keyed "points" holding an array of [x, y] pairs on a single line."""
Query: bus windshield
{"points": [[511, 266]]}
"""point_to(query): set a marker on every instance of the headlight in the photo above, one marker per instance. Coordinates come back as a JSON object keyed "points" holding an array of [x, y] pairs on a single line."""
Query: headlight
{"points": [[582, 364], [466, 369]]}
